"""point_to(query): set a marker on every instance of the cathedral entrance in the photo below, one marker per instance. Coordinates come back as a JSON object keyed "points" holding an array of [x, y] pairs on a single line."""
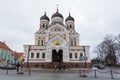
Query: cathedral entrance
{"points": [[57, 56]]}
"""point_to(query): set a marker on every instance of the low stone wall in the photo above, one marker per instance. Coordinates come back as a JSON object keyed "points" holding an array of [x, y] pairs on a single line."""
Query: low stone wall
{"points": [[51, 65]]}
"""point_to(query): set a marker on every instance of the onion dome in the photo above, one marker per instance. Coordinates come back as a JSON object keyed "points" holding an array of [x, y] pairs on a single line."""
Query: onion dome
{"points": [[44, 17], [69, 18], [57, 14]]}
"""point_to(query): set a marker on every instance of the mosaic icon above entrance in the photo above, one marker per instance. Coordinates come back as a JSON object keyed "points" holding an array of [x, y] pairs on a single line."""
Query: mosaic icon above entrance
{"points": [[57, 43]]}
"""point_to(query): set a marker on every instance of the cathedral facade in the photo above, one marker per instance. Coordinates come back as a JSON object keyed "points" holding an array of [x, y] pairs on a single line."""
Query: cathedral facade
{"points": [[56, 43]]}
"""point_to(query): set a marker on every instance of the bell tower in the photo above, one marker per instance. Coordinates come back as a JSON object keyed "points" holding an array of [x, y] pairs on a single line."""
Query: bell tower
{"points": [[44, 22], [69, 22]]}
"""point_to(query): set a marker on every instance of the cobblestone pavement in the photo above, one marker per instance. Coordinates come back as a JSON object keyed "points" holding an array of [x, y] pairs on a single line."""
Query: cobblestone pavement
{"points": [[58, 75]]}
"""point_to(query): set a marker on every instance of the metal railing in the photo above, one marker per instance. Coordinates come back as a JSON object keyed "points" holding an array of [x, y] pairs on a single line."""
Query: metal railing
{"points": [[101, 73]]}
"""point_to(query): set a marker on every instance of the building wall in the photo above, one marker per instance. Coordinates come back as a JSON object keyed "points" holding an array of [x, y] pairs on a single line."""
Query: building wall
{"points": [[5, 54], [56, 36]]}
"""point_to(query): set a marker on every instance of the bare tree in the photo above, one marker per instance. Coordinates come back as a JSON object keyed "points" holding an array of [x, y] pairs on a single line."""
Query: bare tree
{"points": [[106, 50], [110, 47], [118, 47], [100, 51], [118, 43]]}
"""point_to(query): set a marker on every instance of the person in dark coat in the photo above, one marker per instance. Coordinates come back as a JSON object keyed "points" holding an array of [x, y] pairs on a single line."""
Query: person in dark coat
{"points": [[59, 67], [64, 67], [17, 66]]}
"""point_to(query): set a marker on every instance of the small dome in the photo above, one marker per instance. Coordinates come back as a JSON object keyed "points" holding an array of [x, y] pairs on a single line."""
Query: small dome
{"points": [[44, 17], [69, 18], [57, 14]]}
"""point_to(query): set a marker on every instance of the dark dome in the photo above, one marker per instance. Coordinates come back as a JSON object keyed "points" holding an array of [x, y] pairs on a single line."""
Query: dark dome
{"points": [[57, 14], [69, 18], [44, 17]]}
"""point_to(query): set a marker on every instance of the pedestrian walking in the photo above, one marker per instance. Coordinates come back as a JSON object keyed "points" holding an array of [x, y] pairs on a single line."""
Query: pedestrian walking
{"points": [[17, 66], [59, 67], [55, 66], [64, 67]]}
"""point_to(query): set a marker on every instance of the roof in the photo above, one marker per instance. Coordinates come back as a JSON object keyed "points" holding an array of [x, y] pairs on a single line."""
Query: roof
{"points": [[4, 46], [69, 18], [57, 14], [18, 54], [44, 17]]}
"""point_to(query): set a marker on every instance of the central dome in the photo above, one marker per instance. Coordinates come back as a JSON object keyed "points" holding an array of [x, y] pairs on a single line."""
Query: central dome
{"points": [[57, 14]]}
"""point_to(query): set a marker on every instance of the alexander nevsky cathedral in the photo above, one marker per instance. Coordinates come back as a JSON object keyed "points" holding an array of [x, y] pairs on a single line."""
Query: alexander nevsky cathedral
{"points": [[57, 43]]}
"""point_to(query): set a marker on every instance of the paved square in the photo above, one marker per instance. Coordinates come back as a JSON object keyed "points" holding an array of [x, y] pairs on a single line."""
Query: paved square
{"points": [[38, 75]]}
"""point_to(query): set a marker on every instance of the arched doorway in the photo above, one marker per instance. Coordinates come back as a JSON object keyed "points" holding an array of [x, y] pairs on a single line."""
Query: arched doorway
{"points": [[60, 54], [57, 56], [54, 55]]}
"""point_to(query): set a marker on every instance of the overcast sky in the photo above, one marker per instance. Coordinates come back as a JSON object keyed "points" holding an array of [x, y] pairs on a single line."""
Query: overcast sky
{"points": [[19, 19]]}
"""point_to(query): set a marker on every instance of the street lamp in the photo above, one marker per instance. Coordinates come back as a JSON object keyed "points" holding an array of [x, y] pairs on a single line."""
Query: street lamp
{"points": [[82, 58], [28, 56], [28, 66], [15, 59], [85, 55]]}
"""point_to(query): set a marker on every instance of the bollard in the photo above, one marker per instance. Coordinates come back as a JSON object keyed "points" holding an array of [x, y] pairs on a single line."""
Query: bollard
{"points": [[7, 71], [95, 74], [79, 72], [111, 74], [29, 71]]}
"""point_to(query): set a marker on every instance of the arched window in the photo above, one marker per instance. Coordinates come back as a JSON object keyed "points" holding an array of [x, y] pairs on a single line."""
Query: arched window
{"points": [[41, 42], [32, 55], [59, 29], [43, 55], [43, 25], [76, 56], [81, 54], [38, 55], [70, 26], [71, 42], [38, 42], [75, 42], [70, 55]]}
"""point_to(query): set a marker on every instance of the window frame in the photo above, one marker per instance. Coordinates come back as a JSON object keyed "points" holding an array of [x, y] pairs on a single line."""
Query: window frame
{"points": [[70, 55]]}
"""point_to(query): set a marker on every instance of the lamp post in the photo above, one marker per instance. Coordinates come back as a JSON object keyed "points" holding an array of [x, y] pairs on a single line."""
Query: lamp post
{"points": [[28, 56], [82, 58], [15, 59], [85, 55], [28, 66]]}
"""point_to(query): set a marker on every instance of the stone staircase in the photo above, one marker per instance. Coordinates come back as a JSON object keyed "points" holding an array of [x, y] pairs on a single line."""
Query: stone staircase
{"points": [[52, 65]]}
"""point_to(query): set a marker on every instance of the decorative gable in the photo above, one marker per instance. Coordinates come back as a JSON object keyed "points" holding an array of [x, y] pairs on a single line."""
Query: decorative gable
{"points": [[57, 28], [57, 41]]}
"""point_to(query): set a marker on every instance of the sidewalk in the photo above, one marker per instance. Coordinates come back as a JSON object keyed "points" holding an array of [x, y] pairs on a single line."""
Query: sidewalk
{"points": [[46, 74]]}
